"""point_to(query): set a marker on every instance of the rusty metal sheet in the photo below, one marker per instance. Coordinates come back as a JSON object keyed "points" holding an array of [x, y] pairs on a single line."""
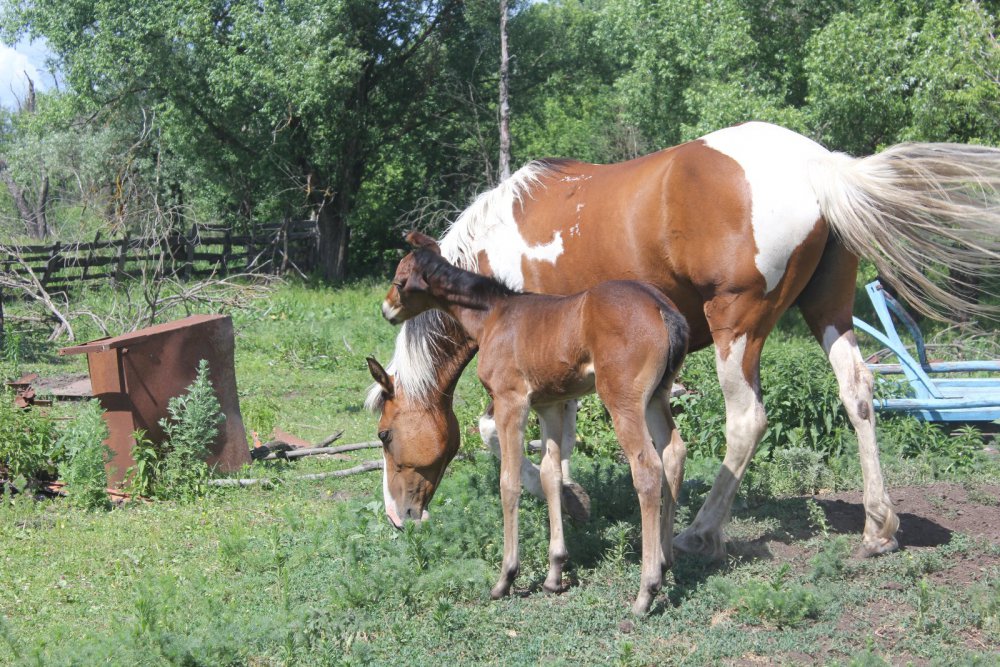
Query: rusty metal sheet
{"points": [[135, 375]]}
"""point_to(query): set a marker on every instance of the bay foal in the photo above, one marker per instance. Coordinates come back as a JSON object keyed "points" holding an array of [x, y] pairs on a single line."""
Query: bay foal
{"points": [[623, 338]]}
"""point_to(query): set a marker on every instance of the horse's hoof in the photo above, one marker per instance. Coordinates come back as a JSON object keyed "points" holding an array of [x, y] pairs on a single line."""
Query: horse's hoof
{"points": [[708, 545], [500, 591], [877, 547], [641, 607], [555, 588], [575, 501]]}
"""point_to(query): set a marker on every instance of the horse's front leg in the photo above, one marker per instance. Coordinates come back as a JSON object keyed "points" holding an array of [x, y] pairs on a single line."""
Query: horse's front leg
{"points": [[511, 417], [551, 419]]}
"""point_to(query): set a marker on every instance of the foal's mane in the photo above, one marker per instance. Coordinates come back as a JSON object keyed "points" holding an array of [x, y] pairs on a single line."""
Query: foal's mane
{"points": [[428, 340], [462, 287]]}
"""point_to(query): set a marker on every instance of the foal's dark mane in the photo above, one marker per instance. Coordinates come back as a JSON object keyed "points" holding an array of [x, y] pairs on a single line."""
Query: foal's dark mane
{"points": [[474, 290]]}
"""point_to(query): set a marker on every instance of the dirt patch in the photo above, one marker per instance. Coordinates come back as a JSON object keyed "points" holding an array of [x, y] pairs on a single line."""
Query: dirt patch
{"points": [[928, 515]]}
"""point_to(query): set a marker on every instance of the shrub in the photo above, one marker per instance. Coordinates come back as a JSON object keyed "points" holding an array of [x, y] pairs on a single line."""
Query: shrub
{"points": [[26, 442], [191, 428], [82, 457], [775, 602]]}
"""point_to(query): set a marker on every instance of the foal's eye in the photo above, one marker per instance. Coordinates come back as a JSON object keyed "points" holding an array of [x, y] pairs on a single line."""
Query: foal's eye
{"points": [[385, 437]]}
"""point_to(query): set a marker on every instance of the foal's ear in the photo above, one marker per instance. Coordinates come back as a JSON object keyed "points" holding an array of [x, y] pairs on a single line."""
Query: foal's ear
{"points": [[380, 376], [415, 282], [420, 240]]}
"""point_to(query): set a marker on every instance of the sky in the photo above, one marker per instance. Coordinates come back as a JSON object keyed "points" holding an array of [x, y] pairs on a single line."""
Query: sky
{"points": [[14, 62]]}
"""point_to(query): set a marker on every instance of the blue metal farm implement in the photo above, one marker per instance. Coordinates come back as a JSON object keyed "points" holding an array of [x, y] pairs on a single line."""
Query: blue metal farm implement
{"points": [[938, 391]]}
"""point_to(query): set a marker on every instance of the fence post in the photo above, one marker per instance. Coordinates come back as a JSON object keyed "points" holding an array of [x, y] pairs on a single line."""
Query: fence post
{"points": [[49, 265], [90, 256], [120, 260], [227, 250], [189, 242]]}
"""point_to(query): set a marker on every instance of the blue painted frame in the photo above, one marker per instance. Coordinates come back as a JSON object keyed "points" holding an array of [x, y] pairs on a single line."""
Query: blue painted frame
{"points": [[936, 399]]}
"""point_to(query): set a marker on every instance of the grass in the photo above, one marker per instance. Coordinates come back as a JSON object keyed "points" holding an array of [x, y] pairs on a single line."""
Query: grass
{"points": [[311, 572]]}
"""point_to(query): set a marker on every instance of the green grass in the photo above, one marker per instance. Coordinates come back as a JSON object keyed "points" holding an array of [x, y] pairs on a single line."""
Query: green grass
{"points": [[310, 573]]}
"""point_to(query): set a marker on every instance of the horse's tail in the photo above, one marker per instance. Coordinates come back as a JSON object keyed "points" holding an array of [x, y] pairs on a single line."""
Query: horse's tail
{"points": [[927, 215]]}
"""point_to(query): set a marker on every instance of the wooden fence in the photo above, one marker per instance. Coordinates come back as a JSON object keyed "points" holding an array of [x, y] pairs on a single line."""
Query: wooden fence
{"points": [[203, 251]]}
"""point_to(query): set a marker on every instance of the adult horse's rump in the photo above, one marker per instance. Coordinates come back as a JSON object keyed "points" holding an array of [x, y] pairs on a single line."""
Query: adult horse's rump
{"points": [[735, 228]]}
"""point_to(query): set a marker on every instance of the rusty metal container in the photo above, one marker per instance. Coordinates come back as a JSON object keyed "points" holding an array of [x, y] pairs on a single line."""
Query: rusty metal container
{"points": [[136, 374]]}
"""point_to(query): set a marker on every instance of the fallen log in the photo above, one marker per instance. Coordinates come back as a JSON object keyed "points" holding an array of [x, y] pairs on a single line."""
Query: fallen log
{"points": [[317, 451], [279, 449], [367, 466]]}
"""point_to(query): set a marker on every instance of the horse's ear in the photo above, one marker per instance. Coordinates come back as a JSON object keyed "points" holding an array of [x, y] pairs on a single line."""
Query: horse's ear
{"points": [[380, 376], [415, 282], [420, 240]]}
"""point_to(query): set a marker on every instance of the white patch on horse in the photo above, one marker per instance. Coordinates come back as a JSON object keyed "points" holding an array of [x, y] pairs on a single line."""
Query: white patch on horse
{"points": [[784, 209], [488, 224]]}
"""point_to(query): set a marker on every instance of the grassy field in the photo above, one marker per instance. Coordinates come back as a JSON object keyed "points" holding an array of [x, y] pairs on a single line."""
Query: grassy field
{"points": [[312, 573]]}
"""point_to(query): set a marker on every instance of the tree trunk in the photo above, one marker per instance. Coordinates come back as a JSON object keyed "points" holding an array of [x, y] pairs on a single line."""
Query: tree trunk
{"points": [[331, 219], [504, 95]]}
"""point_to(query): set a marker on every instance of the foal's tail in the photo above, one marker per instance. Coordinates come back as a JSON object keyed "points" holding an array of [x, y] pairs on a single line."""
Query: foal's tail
{"points": [[679, 334], [918, 211]]}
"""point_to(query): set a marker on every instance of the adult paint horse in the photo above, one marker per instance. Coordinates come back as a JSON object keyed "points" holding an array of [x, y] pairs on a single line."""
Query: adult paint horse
{"points": [[624, 339], [735, 227]]}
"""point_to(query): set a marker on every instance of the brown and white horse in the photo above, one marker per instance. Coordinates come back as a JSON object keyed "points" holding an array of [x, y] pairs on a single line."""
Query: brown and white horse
{"points": [[623, 339], [735, 227]]}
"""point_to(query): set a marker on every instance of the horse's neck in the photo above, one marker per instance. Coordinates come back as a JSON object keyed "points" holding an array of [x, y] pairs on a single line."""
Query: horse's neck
{"points": [[458, 349], [470, 310]]}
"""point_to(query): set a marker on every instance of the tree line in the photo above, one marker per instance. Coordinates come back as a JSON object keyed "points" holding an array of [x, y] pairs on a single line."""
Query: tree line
{"points": [[367, 116]]}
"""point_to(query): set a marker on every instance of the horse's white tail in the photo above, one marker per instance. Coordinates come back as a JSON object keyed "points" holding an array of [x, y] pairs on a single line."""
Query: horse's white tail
{"points": [[927, 215]]}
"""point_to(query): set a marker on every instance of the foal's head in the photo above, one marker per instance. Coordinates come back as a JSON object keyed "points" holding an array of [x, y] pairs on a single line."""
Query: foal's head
{"points": [[409, 296], [419, 440]]}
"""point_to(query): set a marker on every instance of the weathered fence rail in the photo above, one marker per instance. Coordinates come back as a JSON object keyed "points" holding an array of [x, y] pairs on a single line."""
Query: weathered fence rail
{"points": [[203, 251]]}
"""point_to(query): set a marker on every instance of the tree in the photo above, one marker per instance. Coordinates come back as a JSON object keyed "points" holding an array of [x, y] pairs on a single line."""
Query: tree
{"points": [[31, 205], [271, 108]]}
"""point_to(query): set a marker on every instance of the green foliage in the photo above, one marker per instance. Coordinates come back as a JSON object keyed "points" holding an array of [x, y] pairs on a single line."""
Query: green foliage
{"points": [[27, 438], [831, 561], [776, 602], [190, 430], [82, 458], [141, 477]]}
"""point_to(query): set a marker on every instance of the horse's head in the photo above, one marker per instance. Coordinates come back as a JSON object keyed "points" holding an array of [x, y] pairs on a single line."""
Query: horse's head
{"points": [[419, 440], [408, 296]]}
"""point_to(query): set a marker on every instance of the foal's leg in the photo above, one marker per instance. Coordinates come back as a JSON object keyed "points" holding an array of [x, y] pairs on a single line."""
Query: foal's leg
{"points": [[827, 305], [737, 362], [672, 451], [627, 406], [530, 473], [551, 419], [511, 417]]}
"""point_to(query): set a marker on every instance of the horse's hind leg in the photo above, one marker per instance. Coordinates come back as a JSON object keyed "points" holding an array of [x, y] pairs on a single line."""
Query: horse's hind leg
{"points": [[827, 305], [511, 416], [551, 419], [627, 406], [672, 451], [735, 358]]}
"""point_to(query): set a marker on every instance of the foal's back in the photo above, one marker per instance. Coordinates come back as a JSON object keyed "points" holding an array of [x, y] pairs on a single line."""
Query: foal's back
{"points": [[557, 345]]}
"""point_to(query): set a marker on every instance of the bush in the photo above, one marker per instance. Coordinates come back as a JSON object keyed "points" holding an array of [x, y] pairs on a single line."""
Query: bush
{"points": [[26, 442], [82, 457], [181, 471]]}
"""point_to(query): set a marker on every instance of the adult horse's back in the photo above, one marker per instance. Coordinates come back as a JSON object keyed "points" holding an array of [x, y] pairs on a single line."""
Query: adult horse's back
{"points": [[735, 227]]}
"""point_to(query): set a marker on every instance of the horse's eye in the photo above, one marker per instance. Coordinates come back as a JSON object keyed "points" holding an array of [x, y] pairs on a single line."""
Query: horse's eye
{"points": [[385, 436]]}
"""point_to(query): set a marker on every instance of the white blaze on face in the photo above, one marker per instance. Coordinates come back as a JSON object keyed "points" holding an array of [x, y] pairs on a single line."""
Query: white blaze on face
{"points": [[389, 312], [390, 504], [784, 208]]}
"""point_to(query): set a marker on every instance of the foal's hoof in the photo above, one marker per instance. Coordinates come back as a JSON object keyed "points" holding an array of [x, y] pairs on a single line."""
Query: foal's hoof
{"points": [[575, 501]]}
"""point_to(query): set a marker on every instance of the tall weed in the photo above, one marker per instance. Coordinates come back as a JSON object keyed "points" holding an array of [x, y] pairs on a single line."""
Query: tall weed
{"points": [[83, 456]]}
